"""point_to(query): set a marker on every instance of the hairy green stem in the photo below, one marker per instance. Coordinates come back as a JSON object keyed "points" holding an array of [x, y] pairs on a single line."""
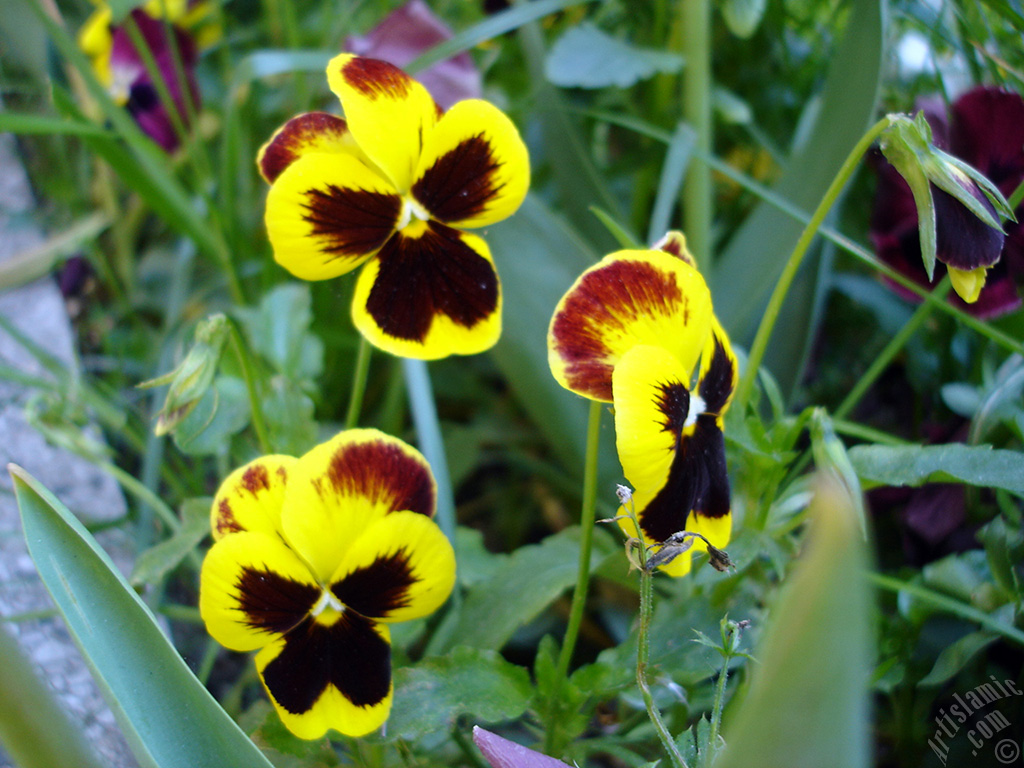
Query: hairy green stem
{"points": [[771, 314], [359, 376], [643, 650], [255, 402], [698, 200], [716, 707]]}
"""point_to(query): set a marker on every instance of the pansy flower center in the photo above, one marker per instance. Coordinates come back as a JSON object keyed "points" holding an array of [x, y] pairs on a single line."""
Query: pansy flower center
{"points": [[697, 408], [328, 609], [413, 215]]}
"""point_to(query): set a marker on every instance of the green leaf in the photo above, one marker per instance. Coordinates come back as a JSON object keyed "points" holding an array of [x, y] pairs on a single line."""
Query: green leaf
{"points": [[220, 413], [280, 331], [520, 588], [586, 57], [539, 257], [467, 681], [34, 730], [954, 657], [158, 560], [168, 717], [747, 270], [808, 700], [915, 465], [677, 160], [46, 125], [695, 742], [31, 264], [742, 17]]}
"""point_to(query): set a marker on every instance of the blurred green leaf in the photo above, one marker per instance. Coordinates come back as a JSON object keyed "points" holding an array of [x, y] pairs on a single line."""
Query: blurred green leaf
{"points": [[677, 160], [539, 257], [954, 657], [155, 562], [279, 330], [169, 718], [467, 681], [519, 589], [808, 700], [742, 17], [915, 465], [24, 124], [221, 412], [34, 730], [586, 57], [745, 273], [29, 265]]}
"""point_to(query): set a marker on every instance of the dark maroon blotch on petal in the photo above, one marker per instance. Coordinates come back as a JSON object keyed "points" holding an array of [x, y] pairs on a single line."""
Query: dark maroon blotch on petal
{"points": [[378, 589], [286, 147], [460, 182], [271, 602], [350, 222], [424, 277], [349, 655], [382, 472]]}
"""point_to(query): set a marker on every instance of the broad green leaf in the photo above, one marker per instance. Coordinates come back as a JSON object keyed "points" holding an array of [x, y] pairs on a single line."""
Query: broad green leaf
{"points": [[34, 730], [158, 560], [914, 465], [539, 257], [742, 17], [747, 270], [168, 717], [954, 657], [586, 57], [431, 695], [221, 412], [280, 331], [808, 700], [520, 588]]}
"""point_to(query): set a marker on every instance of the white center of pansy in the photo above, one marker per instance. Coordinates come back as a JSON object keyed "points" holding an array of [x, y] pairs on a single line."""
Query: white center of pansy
{"points": [[697, 407], [327, 600], [412, 211]]}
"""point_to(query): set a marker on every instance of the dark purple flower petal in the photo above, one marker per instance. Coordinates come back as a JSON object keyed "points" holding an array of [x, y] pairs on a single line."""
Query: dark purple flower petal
{"points": [[987, 132], [962, 239], [502, 753], [410, 31]]}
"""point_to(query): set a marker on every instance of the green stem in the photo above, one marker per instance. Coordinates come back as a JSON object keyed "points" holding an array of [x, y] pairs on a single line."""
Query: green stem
{"points": [[764, 330], [428, 428], [579, 595], [885, 357], [359, 377], [716, 708], [698, 201], [643, 650], [255, 403]]}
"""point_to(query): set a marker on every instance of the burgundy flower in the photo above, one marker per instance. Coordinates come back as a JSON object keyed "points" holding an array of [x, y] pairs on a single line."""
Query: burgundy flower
{"points": [[406, 33], [131, 84], [985, 129]]}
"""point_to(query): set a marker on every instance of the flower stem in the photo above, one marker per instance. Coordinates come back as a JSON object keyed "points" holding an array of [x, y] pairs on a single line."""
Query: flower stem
{"points": [[424, 416], [359, 377], [716, 708], [643, 650], [255, 405], [771, 315], [579, 595], [697, 192]]}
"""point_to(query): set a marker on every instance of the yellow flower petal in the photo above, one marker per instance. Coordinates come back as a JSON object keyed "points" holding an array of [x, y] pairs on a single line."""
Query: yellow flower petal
{"points": [[252, 589], [320, 677], [652, 401], [474, 170], [341, 487], [387, 111], [327, 213], [431, 292], [967, 283], [250, 498], [628, 298], [96, 41], [308, 133], [401, 568]]}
